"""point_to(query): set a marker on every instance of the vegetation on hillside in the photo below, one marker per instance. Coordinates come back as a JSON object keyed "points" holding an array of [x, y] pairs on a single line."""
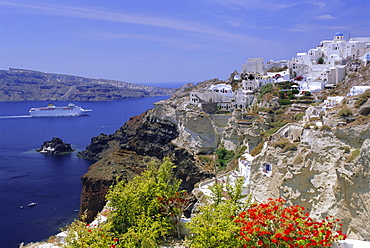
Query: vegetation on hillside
{"points": [[214, 226], [146, 211], [229, 221], [224, 156], [362, 99]]}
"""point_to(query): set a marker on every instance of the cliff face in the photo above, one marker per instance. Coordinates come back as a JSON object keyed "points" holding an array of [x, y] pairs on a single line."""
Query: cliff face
{"points": [[175, 128], [27, 85], [142, 139], [325, 171]]}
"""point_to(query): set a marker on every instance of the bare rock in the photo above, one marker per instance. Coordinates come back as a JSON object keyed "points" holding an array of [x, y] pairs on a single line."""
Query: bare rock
{"points": [[55, 146], [320, 175]]}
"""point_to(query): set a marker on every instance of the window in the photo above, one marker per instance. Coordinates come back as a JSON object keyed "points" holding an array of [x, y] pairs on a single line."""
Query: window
{"points": [[266, 169]]}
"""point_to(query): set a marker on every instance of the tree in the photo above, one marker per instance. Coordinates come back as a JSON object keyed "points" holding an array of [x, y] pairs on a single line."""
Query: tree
{"points": [[214, 226], [137, 206], [224, 156], [320, 61]]}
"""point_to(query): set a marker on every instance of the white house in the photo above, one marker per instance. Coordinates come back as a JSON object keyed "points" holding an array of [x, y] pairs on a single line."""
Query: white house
{"points": [[253, 65], [332, 101], [215, 93], [310, 85], [366, 58], [358, 90]]}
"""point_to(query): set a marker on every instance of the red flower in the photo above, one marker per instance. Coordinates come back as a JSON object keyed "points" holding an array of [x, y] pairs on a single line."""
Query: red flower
{"points": [[278, 235], [285, 238], [269, 222]]}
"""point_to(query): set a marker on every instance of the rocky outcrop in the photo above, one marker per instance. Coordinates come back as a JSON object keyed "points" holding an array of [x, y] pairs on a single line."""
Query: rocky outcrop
{"points": [[142, 139], [27, 85], [325, 171], [200, 132], [56, 146], [175, 128]]}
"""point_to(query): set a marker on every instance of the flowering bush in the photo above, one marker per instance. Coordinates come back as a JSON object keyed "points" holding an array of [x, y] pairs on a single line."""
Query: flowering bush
{"points": [[82, 235], [273, 225]]}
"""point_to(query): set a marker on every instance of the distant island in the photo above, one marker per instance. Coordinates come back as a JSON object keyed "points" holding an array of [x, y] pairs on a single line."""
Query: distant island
{"points": [[29, 85]]}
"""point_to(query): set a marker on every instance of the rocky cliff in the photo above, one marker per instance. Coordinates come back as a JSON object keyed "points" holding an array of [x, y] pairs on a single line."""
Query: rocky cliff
{"points": [[325, 171], [127, 152], [27, 85], [322, 165]]}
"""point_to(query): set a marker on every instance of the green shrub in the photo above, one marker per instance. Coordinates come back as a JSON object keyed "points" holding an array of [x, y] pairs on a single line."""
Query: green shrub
{"points": [[326, 127], [284, 102], [282, 95], [256, 150], [224, 156], [274, 127], [285, 145], [279, 111], [299, 116], [362, 99], [346, 149], [345, 112], [267, 110], [240, 151], [143, 212], [137, 208], [264, 90], [214, 226], [353, 156], [352, 75]]}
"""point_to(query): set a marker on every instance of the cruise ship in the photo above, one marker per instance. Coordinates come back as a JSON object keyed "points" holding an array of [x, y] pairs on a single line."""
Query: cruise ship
{"points": [[52, 111]]}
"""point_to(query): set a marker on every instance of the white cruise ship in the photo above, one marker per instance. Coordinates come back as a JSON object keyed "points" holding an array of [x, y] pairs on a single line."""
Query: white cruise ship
{"points": [[51, 111]]}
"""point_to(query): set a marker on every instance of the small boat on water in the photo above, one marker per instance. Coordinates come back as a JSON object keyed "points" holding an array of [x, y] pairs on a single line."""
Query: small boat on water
{"points": [[52, 111], [32, 204]]}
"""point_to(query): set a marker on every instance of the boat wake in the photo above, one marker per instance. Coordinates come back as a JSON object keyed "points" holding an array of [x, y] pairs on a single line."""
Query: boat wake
{"points": [[15, 116]]}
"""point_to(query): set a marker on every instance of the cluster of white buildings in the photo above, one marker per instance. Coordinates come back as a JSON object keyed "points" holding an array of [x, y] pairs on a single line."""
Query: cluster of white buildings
{"points": [[325, 65], [319, 68], [224, 97]]}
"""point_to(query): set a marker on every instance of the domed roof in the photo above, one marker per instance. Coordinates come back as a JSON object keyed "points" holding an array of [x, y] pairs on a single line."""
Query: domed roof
{"points": [[338, 34], [237, 77]]}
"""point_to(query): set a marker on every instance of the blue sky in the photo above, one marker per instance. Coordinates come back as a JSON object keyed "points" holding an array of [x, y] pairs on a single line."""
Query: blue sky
{"points": [[142, 41]]}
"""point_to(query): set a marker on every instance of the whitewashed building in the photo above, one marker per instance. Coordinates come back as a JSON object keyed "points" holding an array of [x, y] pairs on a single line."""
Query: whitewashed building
{"points": [[253, 65], [358, 90], [323, 66], [215, 93]]}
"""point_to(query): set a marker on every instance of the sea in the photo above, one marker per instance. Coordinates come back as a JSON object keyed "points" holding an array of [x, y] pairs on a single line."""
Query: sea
{"points": [[52, 182]]}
